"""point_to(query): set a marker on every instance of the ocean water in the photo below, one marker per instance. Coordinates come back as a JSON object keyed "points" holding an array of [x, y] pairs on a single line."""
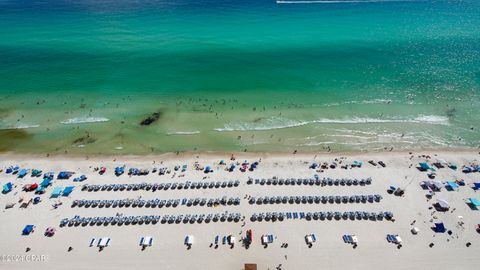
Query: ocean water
{"points": [[80, 76]]}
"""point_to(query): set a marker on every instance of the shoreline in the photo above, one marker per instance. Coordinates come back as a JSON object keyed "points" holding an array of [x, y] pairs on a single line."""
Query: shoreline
{"points": [[170, 155]]}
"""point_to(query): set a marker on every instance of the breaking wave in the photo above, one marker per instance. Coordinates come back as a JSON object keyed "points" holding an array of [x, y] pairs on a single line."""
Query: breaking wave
{"points": [[18, 126], [281, 123], [84, 120], [184, 132]]}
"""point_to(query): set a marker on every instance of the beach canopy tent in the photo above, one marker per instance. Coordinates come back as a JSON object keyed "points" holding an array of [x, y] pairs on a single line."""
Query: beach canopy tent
{"points": [[452, 185], [415, 230], [46, 182], [436, 185], [119, 170], [474, 202], [30, 187], [48, 175], [56, 192], [476, 185], [443, 204], [40, 190], [103, 242], [146, 241], [36, 173], [423, 166], [440, 227], [7, 187], [189, 239], [22, 173], [67, 191], [64, 175], [28, 229], [12, 169]]}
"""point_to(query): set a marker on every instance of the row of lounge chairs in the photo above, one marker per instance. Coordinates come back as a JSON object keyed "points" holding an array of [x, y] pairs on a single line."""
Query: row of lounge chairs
{"points": [[156, 202], [153, 219], [352, 215], [311, 182], [315, 199], [161, 186]]}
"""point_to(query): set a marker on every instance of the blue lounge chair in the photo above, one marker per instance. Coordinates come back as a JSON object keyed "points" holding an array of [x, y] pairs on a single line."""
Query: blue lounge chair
{"points": [[92, 242], [216, 239], [302, 215]]}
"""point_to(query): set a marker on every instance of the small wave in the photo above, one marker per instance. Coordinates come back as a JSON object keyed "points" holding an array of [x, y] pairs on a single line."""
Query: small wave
{"points": [[19, 126], [282, 123], [184, 133], [357, 102], [333, 1], [84, 120]]}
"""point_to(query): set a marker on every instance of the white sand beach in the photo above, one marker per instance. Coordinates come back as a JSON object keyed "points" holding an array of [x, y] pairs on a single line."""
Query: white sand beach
{"points": [[169, 252]]}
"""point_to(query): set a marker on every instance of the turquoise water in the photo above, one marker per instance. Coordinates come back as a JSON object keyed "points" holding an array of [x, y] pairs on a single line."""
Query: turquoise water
{"points": [[238, 75]]}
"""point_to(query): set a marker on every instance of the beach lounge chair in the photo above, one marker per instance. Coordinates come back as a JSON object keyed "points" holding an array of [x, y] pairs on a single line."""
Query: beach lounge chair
{"points": [[91, 242], [146, 241], [189, 240], [103, 242]]}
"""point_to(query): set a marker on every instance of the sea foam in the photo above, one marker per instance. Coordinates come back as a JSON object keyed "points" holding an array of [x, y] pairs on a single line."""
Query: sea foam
{"points": [[281, 123], [184, 132], [18, 126], [84, 120]]}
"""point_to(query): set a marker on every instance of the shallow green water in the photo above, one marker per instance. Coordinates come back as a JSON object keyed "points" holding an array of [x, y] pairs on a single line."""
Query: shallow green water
{"points": [[236, 75]]}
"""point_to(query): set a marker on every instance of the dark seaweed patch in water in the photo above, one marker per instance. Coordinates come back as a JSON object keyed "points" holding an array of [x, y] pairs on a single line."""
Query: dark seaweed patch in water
{"points": [[84, 140], [451, 112], [151, 119], [12, 137], [4, 112]]}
